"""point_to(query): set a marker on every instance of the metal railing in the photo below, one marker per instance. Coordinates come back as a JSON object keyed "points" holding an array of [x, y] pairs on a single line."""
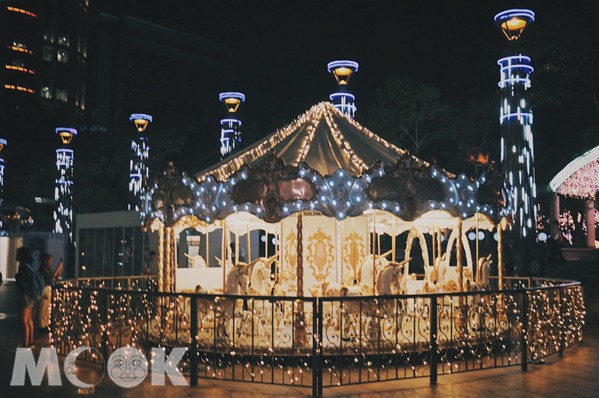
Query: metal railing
{"points": [[323, 342]]}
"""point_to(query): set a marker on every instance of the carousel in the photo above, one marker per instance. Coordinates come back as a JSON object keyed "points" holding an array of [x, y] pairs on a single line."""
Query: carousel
{"points": [[303, 212]]}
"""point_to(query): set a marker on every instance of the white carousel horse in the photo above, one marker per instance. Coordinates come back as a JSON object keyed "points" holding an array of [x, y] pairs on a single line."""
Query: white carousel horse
{"points": [[389, 280], [220, 262], [196, 261], [483, 270], [439, 270], [237, 281], [259, 274], [365, 274]]}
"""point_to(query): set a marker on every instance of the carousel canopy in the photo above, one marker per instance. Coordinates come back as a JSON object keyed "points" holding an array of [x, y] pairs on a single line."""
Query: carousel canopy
{"points": [[580, 178], [323, 138], [325, 163]]}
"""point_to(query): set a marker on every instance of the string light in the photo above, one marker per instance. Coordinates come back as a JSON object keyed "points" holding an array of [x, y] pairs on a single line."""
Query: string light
{"points": [[476, 330], [579, 178]]}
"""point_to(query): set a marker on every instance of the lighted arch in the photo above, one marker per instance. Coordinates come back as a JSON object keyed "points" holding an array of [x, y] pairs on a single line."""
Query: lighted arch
{"points": [[580, 177], [465, 248], [416, 233]]}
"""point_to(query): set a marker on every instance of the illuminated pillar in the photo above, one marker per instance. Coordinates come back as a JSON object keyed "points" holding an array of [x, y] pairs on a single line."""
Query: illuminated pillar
{"points": [[139, 172], [343, 99], [517, 148], [2, 145], [230, 127], [63, 190]]}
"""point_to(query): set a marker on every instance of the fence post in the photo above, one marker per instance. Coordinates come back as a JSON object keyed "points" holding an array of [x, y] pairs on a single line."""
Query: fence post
{"points": [[193, 350], [53, 300], [524, 331], [317, 348], [104, 326], [561, 323], [433, 341]]}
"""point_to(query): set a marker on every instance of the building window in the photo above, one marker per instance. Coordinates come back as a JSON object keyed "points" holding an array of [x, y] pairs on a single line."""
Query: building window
{"points": [[63, 40], [61, 94], [18, 88], [20, 47], [47, 53], [22, 11], [17, 66], [46, 92], [62, 56]]}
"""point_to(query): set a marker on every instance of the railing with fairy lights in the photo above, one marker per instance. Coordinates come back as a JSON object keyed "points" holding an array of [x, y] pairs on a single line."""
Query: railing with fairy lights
{"points": [[322, 342]]}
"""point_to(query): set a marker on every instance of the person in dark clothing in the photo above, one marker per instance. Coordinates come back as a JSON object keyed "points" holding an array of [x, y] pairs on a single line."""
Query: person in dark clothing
{"points": [[50, 276], [24, 278]]}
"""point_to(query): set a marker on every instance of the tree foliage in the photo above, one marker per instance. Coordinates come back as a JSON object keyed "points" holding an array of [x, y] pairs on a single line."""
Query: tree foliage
{"points": [[407, 112]]}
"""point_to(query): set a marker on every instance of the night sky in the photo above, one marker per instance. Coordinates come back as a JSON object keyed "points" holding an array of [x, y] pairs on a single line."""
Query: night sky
{"points": [[281, 49]]}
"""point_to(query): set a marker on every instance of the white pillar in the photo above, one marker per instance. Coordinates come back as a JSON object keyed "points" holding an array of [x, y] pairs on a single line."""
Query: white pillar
{"points": [[554, 211], [590, 208]]}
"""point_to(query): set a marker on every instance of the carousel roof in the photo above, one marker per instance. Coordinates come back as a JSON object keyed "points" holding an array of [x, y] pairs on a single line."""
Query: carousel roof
{"points": [[323, 162], [323, 138], [580, 178]]}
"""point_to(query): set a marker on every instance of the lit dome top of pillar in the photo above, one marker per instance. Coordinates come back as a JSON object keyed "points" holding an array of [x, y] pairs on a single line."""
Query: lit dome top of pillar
{"points": [[66, 134], [231, 99], [342, 70], [513, 22], [141, 121], [3, 143]]}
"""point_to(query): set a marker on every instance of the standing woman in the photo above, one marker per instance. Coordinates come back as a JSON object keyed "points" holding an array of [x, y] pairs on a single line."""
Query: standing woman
{"points": [[43, 315], [24, 278]]}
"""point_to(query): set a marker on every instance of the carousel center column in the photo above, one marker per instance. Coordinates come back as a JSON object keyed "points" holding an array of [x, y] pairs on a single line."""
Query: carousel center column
{"points": [[300, 325]]}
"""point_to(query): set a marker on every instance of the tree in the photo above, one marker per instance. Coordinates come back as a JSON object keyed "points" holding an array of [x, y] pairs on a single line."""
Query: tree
{"points": [[407, 112]]}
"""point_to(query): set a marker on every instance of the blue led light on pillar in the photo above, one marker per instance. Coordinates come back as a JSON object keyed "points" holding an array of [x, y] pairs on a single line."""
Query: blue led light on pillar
{"points": [[3, 143], [230, 127], [139, 172], [63, 189], [343, 99], [516, 119]]}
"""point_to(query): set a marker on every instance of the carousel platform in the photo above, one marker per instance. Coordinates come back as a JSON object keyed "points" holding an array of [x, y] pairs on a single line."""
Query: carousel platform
{"points": [[558, 376]]}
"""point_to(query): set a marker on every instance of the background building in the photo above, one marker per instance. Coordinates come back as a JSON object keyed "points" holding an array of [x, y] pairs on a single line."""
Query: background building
{"points": [[66, 63]]}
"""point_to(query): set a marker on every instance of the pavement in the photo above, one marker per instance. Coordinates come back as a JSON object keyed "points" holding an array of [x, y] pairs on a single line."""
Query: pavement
{"points": [[573, 375]]}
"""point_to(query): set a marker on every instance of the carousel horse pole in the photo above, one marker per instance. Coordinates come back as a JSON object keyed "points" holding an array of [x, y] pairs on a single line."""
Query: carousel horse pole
{"points": [[354, 252], [247, 240], [374, 240], [207, 247], [459, 257], [300, 324], [500, 255], [167, 282], [476, 241], [224, 251]]}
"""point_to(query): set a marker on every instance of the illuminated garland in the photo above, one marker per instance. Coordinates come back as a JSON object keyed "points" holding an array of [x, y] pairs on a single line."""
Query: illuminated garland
{"points": [[583, 183]]}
